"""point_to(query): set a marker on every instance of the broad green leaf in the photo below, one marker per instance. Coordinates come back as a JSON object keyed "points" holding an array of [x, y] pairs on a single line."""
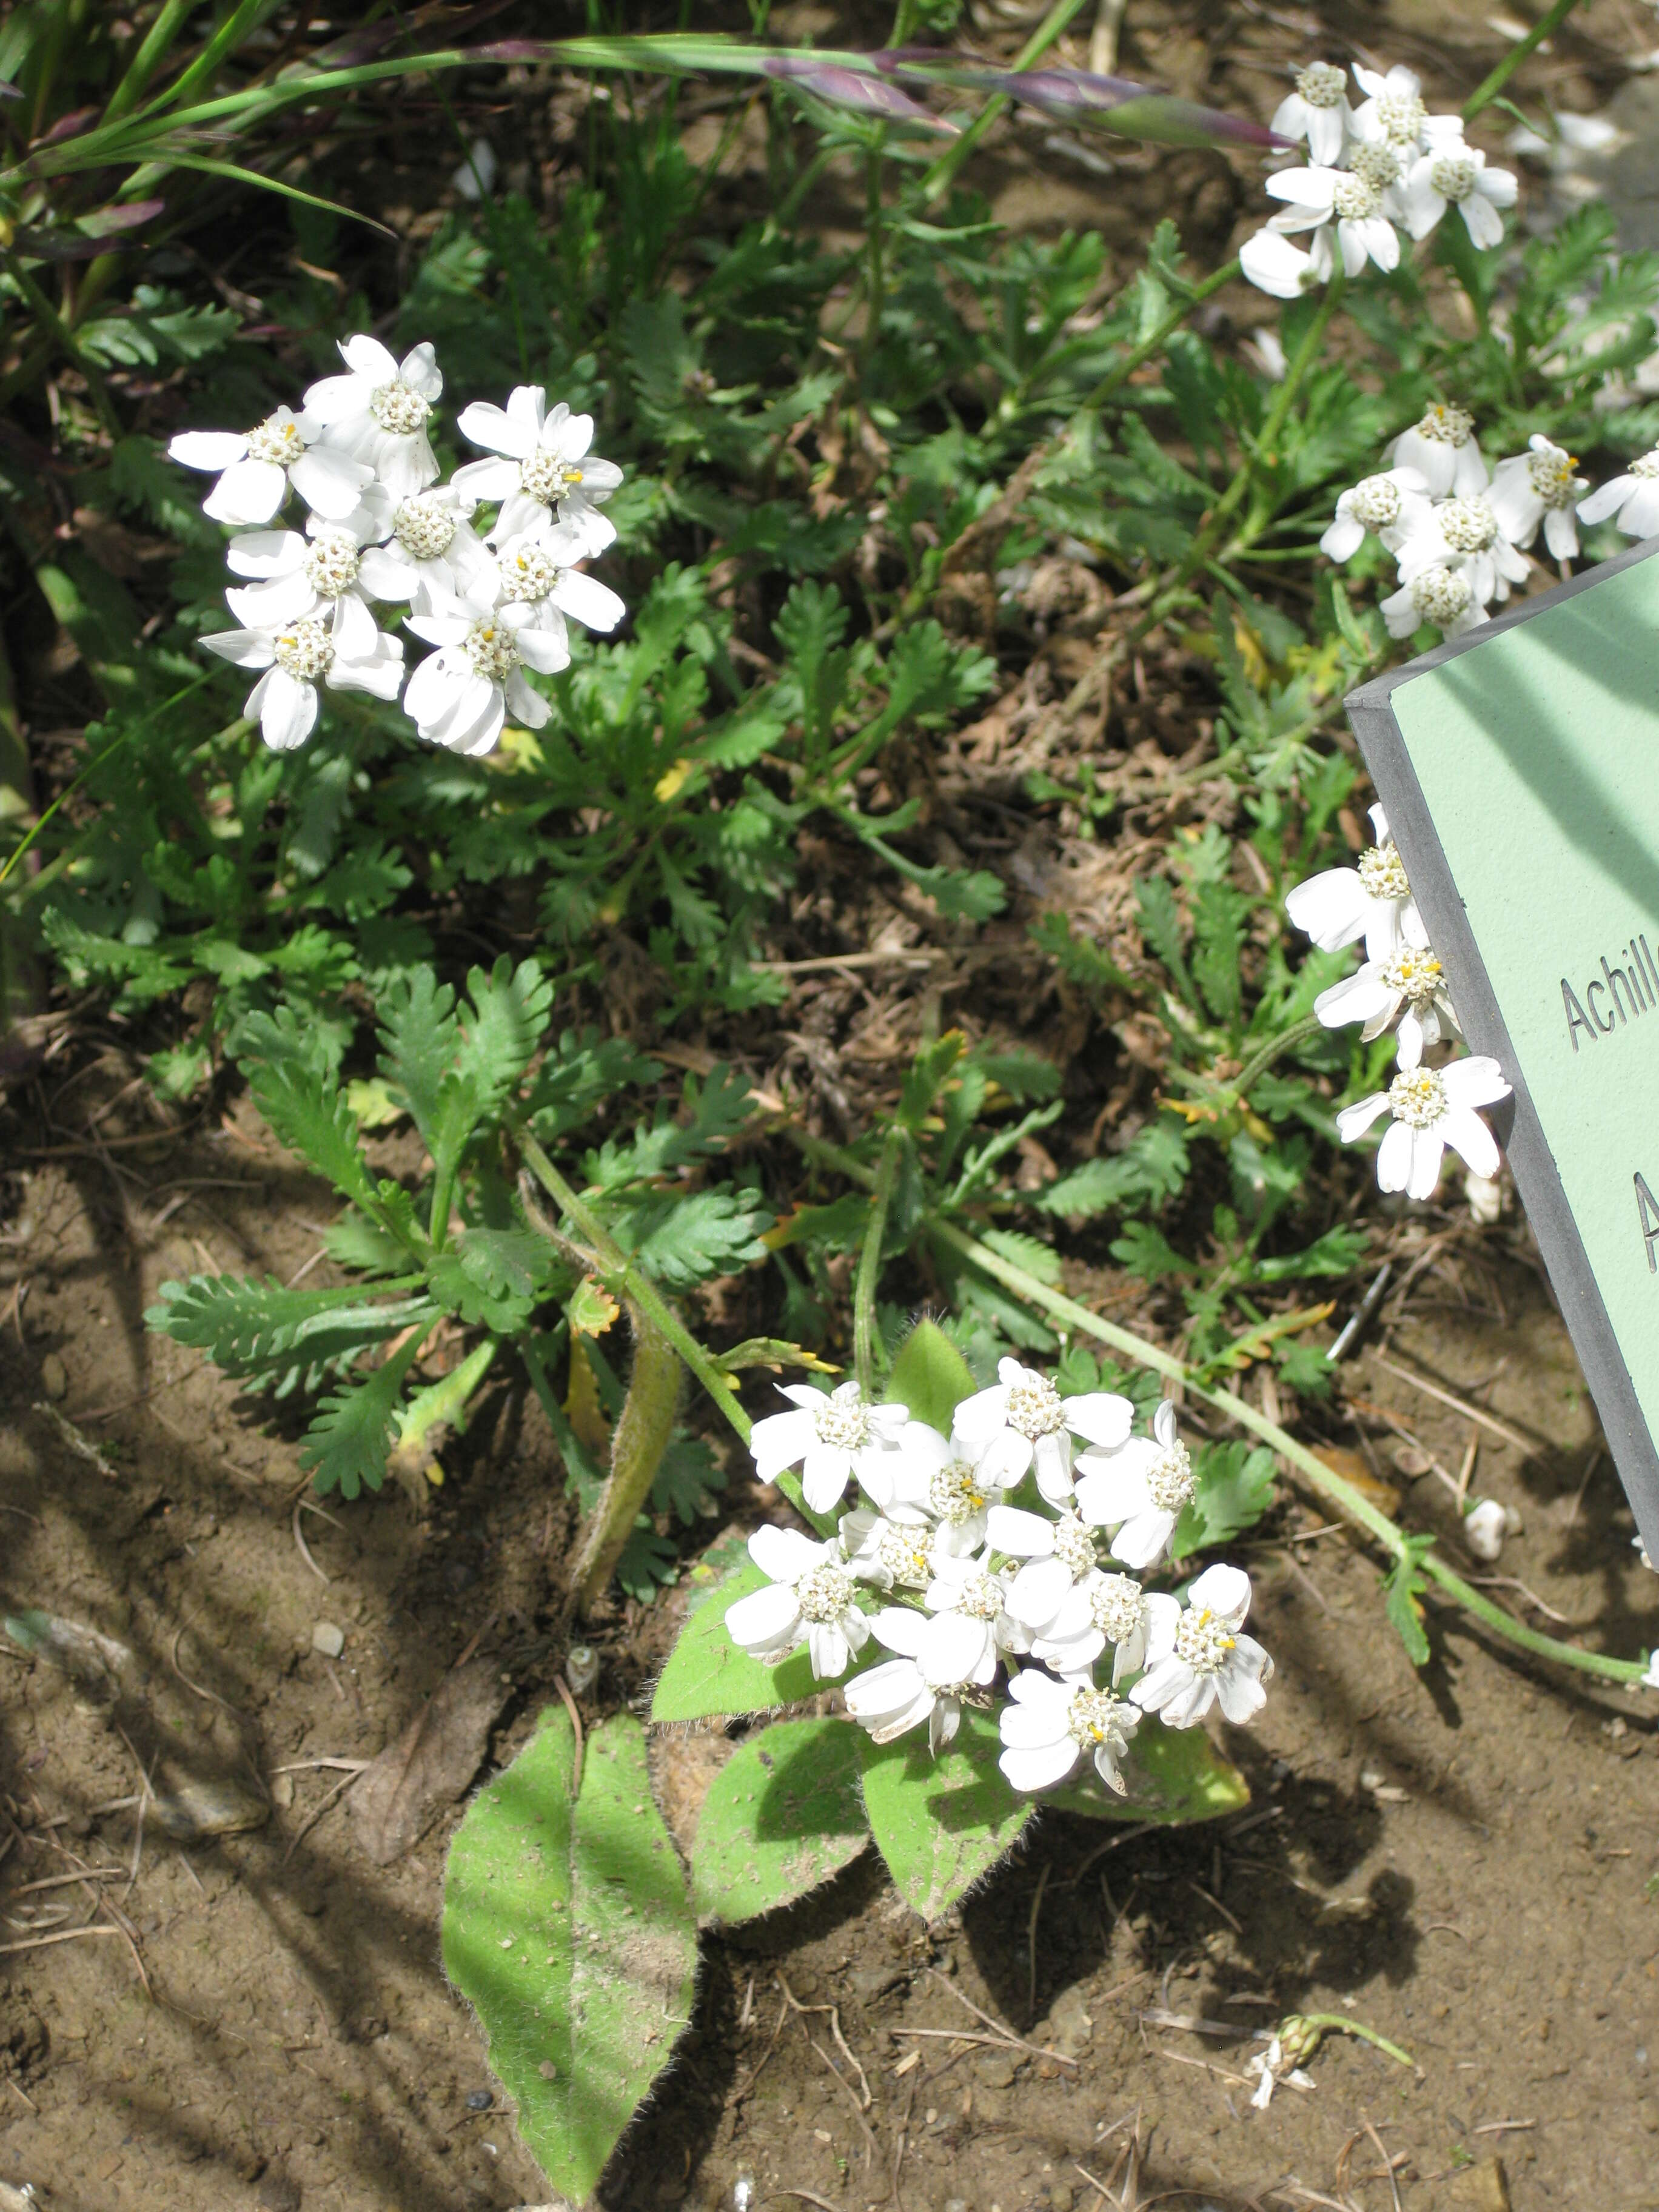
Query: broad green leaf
{"points": [[782, 1815], [1175, 1775], [941, 1824], [569, 1930], [930, 1377], [708, 1674]]}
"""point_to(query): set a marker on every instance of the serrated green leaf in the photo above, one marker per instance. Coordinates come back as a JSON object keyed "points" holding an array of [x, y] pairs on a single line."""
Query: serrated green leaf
{"points": [[419, 1035], [1174, 1776], [508, 1014], [1234, 1488], [569, 1931], [1403, 1586], [311, 1117], [346, 1446], [249, 1327], [941, 1824], [682, 1241], [783, 1815], [930, 1377], [708, 1674]]}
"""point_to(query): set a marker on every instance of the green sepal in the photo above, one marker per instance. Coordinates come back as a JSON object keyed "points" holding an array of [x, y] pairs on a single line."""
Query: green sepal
{"points": [[930, 1377]]}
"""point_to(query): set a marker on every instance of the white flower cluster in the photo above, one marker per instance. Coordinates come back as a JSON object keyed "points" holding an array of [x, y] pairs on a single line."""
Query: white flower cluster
{"points": [[1384, 162], [381, 530], [1400, 981], [1460, 533], [986, 1582]]}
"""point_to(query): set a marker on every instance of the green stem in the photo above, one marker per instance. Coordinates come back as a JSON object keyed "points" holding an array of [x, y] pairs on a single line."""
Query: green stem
{"points": [[938, 179], [864, 1291], [1487, 91], [1138, 356], [148, 59], [1336, 2023], [1286, 1041]]}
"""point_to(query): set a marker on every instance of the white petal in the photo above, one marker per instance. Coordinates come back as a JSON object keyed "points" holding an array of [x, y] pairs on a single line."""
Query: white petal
{"points": [[785, 1554], [1034, 1595], [1110, 1492], [1360, 997], [767, 1621], [900, 1629], [1040, 1769], [1394, 1157], [1476, 1081], [419, 370], [1482, 222], [1223, 1590], [592, 604], [498, 431], [953, 1649], [1102, 1416], [1026, 1535], [824, 1477], [1139, 1541], [287, 710], [329, 482], [1162, 1615], [1560, 534], [1330, 907], [248, 491], [1353, 1121], [1608, 501], [1469, 1137], [828, 1649], [1343, 537], [247, 648], [211, 450], [1428, 1151]]}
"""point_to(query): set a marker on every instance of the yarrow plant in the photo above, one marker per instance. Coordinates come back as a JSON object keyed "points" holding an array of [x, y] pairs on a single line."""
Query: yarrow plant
{"points": [[381, 532], [1001, 1550]]}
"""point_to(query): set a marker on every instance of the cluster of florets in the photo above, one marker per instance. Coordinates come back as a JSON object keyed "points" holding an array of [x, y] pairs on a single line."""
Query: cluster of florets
{"points": [[1460, 532], [1016, 1546], [493, 597], [1401, 987], [1373, 169]]}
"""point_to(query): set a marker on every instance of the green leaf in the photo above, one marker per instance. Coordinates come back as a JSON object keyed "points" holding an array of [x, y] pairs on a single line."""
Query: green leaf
{"points": [[1403, 1586], [941, 1824], [310, 1117], [418, 1037], [781, 1816], [681, 1240], [1235, 1487], [930, 1377], [510, 1010], [346, 1445], [248, 1328], [1174, 1775], [708, 1674], [569, 1930]]}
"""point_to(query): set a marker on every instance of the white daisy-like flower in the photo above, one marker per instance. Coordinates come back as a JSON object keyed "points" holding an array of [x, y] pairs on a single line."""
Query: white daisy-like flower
{"points": [[834, 1437], [1021, 1421], [318, 573], [536, 571], [941, 1656], [1409, 986], [886, 1552], [1343, 198], [377, 412], [1430, 1108], [1317, 112], [1442, 448], [255, 467], [938, 1483], [295, 657], [1371, 900], [1392, 113], [1274, 266], [1057, 1553], [1540, 486], [1145, 1485], [1452, 175], [1198, 1654], [1445, 596], [432, 553], [1050, 1726], [975, 1590], [458, 697], [1392, 504], [1274, 2067], [1632, 499], [1101, 1609], [1464, 534], [543, 461], [810, 1594]]}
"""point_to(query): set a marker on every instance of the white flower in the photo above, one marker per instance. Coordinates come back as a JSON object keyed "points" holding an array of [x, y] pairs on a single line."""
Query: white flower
{"points": [[1200, 1654], [1372, 900], [810, 1593], [832, 1437], [1431, 1108], [1452, 175], [459, 696], [975, 1591], [1392, 113], [1057, 1553], [1101, 1609], [1445, 596], [940, 1656], [1391, 504], [1347, 199], [929, 1480], [1633, 498], [295, 656], [1464, 534], [1022, 1420], [1145, 1485], [254, 469], [885, 1552], [1051, 1725], [1273, 264], [1274, 2067], [319, 574], [1538, 486], [432, 553], [1411, 978], [534, 572], [377, 412], [1317, 111], [545, 461], [1441, 449]]}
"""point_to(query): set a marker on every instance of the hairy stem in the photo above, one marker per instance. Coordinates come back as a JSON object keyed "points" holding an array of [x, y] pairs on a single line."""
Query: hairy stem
{"points": [[1488, 89], [643, 1430], [1286, 1041], [864, 1291]]}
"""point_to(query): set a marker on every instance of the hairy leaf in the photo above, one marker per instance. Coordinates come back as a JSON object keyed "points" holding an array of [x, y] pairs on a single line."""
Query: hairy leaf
{"points": [[941, 1824], [707, 1674], [783, 1815]]}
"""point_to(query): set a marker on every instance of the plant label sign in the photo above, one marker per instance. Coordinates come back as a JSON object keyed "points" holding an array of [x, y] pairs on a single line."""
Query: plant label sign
{"points": [[1519, 769]]}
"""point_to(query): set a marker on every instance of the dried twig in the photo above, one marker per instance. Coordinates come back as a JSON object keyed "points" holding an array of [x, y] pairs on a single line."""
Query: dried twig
{"points": [[563, 1689], [64, 1936], [1459, 1405], [1002, 2034], [1030, 1942], [304, 1549]]}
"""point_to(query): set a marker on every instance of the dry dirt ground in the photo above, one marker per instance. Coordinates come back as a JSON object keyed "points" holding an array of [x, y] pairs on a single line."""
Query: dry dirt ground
{"points": [[1461, 1860]]}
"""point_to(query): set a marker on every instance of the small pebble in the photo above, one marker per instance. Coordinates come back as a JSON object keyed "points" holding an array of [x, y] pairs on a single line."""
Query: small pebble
{"points": [[581, 1669], [54, 1377], [547, 2071], [328, 1639], [479, 2101]]}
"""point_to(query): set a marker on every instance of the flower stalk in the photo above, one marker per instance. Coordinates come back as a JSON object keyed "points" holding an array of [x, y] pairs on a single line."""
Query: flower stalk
{"points": [[869, 1274]]}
